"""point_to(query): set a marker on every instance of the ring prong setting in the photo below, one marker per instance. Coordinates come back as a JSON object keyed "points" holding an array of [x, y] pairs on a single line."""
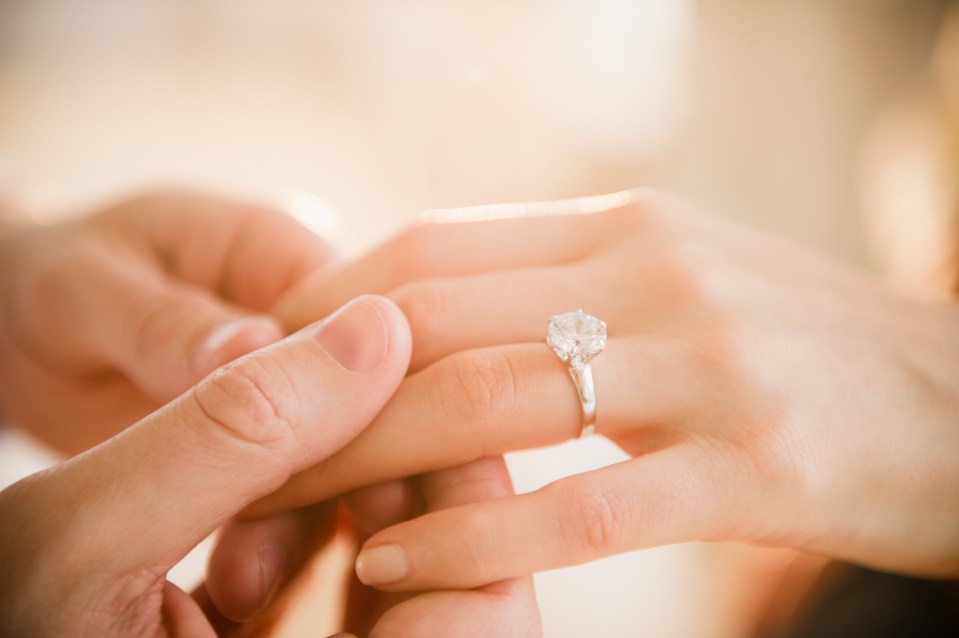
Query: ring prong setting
{"points": [[576, 337]]}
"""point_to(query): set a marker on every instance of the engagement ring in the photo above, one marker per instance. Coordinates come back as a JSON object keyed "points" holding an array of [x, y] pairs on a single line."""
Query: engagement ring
{"points": [[577, 337]]}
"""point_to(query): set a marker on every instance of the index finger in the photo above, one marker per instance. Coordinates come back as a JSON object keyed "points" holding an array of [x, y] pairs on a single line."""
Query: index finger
{"points": [[506, 237]]}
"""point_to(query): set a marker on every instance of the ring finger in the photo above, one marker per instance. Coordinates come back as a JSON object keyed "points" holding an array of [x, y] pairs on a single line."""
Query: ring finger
{"points": [[486, 402]]}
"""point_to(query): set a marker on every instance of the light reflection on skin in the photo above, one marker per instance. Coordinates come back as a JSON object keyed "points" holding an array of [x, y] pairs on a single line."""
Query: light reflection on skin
{"points": [[579, 206]]}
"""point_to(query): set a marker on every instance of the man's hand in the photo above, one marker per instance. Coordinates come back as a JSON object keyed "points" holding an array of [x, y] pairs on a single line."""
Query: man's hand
{"points": [[86, 546], [108, 316]]}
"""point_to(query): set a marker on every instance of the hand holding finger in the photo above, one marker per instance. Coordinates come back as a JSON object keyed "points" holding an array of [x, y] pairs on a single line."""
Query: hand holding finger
{"points": [[239, 434], [494, 400]]}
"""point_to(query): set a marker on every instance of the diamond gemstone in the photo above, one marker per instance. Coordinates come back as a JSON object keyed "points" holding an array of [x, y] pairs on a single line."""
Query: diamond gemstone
{"points": [[576, 337]]}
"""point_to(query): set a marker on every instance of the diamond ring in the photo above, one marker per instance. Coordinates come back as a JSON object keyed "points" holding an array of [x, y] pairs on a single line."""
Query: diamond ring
{"points": [[577, 337]]}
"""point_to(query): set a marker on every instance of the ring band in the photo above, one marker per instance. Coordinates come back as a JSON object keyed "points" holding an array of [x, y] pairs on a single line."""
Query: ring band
{"points": [[576, 338], [583, 380]]}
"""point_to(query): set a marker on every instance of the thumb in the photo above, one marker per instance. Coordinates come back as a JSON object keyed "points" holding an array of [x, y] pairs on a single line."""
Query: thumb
{"points": [[143, 499]]}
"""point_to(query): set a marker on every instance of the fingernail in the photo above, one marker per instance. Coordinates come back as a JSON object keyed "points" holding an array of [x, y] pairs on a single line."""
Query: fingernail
{"points": [[382, 565], [273, 560], [355, 336], [210, 353]]}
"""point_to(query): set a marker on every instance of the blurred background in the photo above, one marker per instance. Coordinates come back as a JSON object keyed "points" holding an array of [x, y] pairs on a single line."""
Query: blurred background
{"points": [[831, 122]]}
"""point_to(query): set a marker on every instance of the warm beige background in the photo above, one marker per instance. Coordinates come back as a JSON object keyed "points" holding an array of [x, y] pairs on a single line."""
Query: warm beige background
{"points": [[756, 109]]}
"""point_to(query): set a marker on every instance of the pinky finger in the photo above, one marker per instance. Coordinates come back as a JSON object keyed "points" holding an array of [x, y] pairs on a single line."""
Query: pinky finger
{"points": [[666, 497]]}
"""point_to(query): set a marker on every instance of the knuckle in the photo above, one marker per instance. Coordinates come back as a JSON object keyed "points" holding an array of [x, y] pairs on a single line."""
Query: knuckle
{"points": [[251, 401], [723, 352], [597, 519], [696, 272], [479, 388], [472, 530]]}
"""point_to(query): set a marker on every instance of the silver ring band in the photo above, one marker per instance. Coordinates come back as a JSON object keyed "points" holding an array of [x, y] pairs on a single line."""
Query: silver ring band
{"points": [[577, 337], [583, 380]]}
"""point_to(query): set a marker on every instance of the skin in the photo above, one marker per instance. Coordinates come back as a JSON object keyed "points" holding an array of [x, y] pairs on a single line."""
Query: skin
{"points": [[766, 394], [86, 545], [119, 311], [506, 608]]}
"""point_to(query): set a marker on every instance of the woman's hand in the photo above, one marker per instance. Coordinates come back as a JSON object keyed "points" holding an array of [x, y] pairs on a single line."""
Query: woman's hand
{"points": [[108, 316], [85, 546], [766, 394]]}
